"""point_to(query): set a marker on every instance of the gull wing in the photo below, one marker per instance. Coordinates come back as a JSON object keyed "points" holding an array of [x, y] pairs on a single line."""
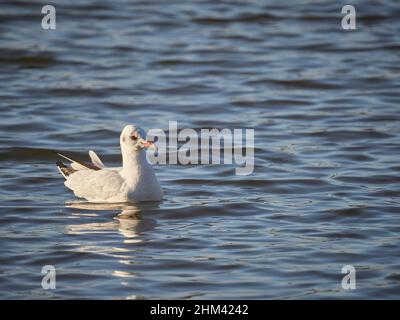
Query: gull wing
{"points": [[97, 186], [96, 160], [79, 165]]}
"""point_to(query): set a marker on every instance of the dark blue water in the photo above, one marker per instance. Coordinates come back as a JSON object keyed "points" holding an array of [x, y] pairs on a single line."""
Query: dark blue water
{"points": [[324, 104]]}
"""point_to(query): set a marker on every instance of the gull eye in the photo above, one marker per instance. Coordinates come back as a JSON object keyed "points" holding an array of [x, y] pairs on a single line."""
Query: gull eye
{"points": [[134, 138]]}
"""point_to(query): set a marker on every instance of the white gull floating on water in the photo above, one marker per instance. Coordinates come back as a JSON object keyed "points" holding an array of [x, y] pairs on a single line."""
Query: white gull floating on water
{"points": [[134, 181]]}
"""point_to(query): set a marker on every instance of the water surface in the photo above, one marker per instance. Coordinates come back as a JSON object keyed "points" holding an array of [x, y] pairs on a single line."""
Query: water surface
{"points": [[324, 104]]}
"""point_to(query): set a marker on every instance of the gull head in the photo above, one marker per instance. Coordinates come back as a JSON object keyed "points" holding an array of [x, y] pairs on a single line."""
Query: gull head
{"points": [[134, 138]]}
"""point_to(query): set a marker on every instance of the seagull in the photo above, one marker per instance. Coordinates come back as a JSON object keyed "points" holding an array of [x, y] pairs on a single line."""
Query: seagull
{"points": [[135, 181]]}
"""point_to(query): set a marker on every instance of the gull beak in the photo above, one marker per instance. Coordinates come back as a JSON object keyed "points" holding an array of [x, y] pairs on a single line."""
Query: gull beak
{"points": [[147, 144]]}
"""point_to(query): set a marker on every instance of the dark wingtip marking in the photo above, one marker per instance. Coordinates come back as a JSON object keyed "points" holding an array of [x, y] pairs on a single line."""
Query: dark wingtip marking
{"points": [[65, 171]]}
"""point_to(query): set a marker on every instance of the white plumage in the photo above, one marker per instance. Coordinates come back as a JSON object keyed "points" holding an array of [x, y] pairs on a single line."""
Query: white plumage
{"points": [[95, 159], [134, 181]]}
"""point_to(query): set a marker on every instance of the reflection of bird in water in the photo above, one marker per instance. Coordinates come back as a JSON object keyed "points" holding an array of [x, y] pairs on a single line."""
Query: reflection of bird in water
{"points": [[129, 221], [103, 238]]}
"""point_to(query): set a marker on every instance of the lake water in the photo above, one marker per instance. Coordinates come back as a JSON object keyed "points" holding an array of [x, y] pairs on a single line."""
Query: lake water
{"points": [[324, 104]]}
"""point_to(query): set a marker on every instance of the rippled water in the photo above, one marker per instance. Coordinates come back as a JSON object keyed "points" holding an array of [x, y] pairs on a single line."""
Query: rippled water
{"points": [[325, 107]]}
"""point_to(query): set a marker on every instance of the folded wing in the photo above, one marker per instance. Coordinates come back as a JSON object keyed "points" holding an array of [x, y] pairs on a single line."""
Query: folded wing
{"points": [[95, 159], [79, 165], [97, 186]]}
